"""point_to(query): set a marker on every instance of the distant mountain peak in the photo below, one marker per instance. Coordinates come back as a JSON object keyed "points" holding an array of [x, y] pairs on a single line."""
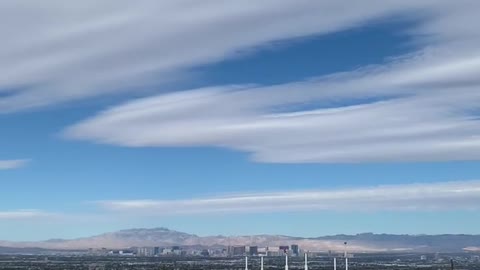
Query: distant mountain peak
{"points": [[156, 229], [362, 242]]}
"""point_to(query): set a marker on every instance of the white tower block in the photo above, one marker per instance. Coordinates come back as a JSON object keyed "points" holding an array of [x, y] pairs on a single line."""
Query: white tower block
{"points": [[246, 262], [346, 257], [286, 261], [261, 262], [306, 261], [334, 263]]}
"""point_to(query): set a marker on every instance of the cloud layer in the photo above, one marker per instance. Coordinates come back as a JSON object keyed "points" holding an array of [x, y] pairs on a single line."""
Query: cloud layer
{"points": [[426, 102], [24, 214], [420, 107], [463, 195], [12, 164], [54, 52], [415, 120]]}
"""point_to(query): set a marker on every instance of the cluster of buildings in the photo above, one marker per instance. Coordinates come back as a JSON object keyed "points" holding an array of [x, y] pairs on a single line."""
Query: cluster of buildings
{"points": [[230, 251], [142, 251], [158, 251], [292, 250]]}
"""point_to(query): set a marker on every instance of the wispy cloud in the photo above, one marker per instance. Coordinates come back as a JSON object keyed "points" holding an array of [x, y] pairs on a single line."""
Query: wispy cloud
{"points": [[12, 164], [430, 98], [416, 119], [59, 53], [426, 106], [23, 214], [463, 195], [73, 52]]}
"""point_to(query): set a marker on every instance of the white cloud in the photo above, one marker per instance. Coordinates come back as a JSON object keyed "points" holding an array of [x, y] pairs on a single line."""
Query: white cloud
{"points": [[428, 106], [52, 52], [56, 53], [425, 123], [12, 164], [462, 195], [23, 214]]}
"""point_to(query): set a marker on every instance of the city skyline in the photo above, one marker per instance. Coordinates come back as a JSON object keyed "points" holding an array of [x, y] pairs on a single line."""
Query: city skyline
{"points": [[302, 118], [147, 240]]}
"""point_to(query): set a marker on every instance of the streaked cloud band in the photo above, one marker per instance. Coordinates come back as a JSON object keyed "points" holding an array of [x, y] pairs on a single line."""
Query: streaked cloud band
{"points": [[12, 164], [23, 214], [464, 195]]}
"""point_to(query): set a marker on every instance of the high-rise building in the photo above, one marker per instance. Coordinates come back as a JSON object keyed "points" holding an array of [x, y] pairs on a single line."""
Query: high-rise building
{"points": [[253, 250], [295, 250], [236, 250], [145, 251], [283, 248]]}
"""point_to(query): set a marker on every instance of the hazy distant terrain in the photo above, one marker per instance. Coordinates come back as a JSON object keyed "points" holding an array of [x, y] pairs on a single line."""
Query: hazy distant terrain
{"points": [[366, 242]]}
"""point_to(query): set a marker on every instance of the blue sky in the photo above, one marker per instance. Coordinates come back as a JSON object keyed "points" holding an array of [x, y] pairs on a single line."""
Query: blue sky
{"points": [[230, 119]]}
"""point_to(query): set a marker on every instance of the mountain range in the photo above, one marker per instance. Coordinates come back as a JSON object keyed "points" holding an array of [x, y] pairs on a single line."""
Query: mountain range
{"points": [[365, 242]]}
